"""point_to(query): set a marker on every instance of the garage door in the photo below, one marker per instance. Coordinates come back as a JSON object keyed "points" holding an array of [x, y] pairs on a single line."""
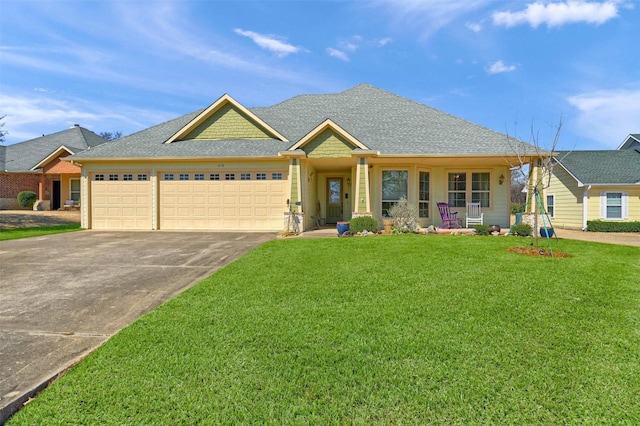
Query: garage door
{"points": [[251, 201], [121, 201]]}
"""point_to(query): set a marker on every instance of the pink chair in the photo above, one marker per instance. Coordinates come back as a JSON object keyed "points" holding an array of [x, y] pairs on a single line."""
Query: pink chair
{"points": [[449, 218]]}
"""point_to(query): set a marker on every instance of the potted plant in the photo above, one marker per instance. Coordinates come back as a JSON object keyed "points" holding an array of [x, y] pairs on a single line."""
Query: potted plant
{"points": [[546, 232]]}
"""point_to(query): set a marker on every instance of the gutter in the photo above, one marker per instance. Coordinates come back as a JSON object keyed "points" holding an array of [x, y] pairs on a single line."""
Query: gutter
{"points": [[585, 207]]}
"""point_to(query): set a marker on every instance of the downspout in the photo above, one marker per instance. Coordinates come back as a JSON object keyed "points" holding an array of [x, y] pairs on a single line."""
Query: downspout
{"points": [[585, 207]]}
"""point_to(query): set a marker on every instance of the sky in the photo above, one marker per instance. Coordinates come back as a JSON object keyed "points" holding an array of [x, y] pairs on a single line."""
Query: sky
{"points": [[518, 67]]}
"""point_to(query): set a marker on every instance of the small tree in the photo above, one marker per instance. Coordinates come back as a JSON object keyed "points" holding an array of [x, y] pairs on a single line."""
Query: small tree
{"points": [[111, 136], [537, 175], [2, 131]]}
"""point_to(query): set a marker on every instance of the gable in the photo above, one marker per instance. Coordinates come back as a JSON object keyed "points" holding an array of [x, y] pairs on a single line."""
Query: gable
{"points": [[228, 123], [226, 119], [328, 144]]}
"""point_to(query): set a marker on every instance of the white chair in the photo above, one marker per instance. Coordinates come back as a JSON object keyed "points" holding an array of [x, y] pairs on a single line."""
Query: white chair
{"points": [[474, 215]]}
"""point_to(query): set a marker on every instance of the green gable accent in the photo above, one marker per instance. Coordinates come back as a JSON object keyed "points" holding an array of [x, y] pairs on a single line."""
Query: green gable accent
{"points": [[228, 123], [328, 144]]}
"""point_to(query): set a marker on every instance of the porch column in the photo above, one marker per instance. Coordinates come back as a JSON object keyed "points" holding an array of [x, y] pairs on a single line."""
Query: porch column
{"points": [[85, 206], [41, 187], [295, 185], [362, 195]]}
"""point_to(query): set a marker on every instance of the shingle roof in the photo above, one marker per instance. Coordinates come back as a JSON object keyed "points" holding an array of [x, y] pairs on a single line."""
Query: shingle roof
{"points": [[621, 167], [381, 120], [23, 156]]}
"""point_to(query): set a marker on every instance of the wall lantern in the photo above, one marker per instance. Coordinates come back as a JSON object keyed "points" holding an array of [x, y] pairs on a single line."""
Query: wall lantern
{"points": [[348, 181], [501, 179]]}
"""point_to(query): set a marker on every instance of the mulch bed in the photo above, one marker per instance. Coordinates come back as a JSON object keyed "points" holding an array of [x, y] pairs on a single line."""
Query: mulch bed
{"points": [[539, 252]]}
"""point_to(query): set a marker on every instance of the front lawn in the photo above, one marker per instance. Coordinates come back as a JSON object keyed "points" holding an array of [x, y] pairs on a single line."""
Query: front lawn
{"points": [[376, 330], [38, 231]]}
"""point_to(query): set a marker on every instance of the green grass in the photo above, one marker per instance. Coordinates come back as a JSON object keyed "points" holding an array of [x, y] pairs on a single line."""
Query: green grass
{"points": [[381, 330], [15, 233]]}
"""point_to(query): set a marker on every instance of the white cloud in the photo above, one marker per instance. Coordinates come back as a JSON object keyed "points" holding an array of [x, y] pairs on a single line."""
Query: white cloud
{"points": [[557, 14], [384, 41], [271, 43], [475, 27], [606, 116], [499, 67], [337, 54], [428, 16], [28, 117]]}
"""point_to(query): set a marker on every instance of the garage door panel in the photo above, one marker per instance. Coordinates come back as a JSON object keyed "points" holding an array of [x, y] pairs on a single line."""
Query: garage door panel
{"points": [[120, 204], [222, 205]]}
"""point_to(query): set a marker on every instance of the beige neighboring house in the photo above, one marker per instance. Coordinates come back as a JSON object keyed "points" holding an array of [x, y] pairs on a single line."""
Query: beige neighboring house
{"points": [[326, 158], [595, 185], [35, 165]]}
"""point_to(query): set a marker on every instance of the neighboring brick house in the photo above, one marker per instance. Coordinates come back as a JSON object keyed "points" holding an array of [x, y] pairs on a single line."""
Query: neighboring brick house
{"points": [[35, 165]]}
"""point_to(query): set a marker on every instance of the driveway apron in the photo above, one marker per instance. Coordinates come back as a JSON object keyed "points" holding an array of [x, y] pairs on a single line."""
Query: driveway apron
{"points": [[61, 296]]}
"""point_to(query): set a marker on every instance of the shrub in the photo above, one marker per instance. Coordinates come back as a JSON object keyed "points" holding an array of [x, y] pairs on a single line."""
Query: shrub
{"points": [[603, 226], [482, 229], [27, 199], [363, 223], [517, 208], [405, 217], [522, 230]]}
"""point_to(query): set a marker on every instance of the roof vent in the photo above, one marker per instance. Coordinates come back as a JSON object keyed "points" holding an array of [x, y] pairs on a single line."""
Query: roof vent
{"points": [[76, 125]]}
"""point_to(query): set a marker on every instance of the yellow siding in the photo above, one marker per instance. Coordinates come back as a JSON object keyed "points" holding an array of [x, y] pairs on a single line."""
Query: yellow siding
{"points": [[328, 144], [568, 200], [228, 123], [633, 200]]}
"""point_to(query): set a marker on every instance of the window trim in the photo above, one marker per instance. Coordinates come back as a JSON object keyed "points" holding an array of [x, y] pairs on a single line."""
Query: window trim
{"points": [[624, 205], [382, 199], [551, 211], [420, 200], [71, 191], [469, 191]]}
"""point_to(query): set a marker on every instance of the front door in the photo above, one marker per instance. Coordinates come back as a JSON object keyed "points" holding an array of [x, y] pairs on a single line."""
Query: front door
{"points": [[56, 195], [334, 200]]}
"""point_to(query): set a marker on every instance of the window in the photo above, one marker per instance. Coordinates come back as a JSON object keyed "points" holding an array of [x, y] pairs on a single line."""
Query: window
{"points": [[457, 188], [480, 188], [143, 176], [423, 196], [261, 176], [127, 176], [214, 176], [245, 176], [198, 176], [459, 192], [394, 187], [551, 205], [168, 176], [276, 176], [74, 189], [113, 177], [230, 176], [613, 205], [184, 176], [99, 177]]}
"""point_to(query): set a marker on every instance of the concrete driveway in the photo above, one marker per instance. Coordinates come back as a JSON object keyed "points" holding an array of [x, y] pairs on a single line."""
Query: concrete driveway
{"points": [[61, 296]]}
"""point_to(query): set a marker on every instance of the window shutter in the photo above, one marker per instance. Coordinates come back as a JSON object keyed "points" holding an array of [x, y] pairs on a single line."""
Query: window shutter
{"points": [[625, 206], [603, 205]]}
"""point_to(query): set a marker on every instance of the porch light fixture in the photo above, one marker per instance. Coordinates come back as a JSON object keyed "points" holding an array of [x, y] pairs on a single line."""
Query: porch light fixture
{"points": [[501, 179], [348, 181], [310, 177]]}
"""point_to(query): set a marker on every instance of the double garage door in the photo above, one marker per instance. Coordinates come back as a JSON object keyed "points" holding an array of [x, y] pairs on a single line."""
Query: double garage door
{"points": [[186, 201]]}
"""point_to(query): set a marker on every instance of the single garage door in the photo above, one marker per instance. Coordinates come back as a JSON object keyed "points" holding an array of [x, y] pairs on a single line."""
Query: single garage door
{"points": [[248, 201], [121, 201]]}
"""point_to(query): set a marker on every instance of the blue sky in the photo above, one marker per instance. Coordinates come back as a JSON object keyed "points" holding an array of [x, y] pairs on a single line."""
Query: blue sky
{"points": [[512, 66]]}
